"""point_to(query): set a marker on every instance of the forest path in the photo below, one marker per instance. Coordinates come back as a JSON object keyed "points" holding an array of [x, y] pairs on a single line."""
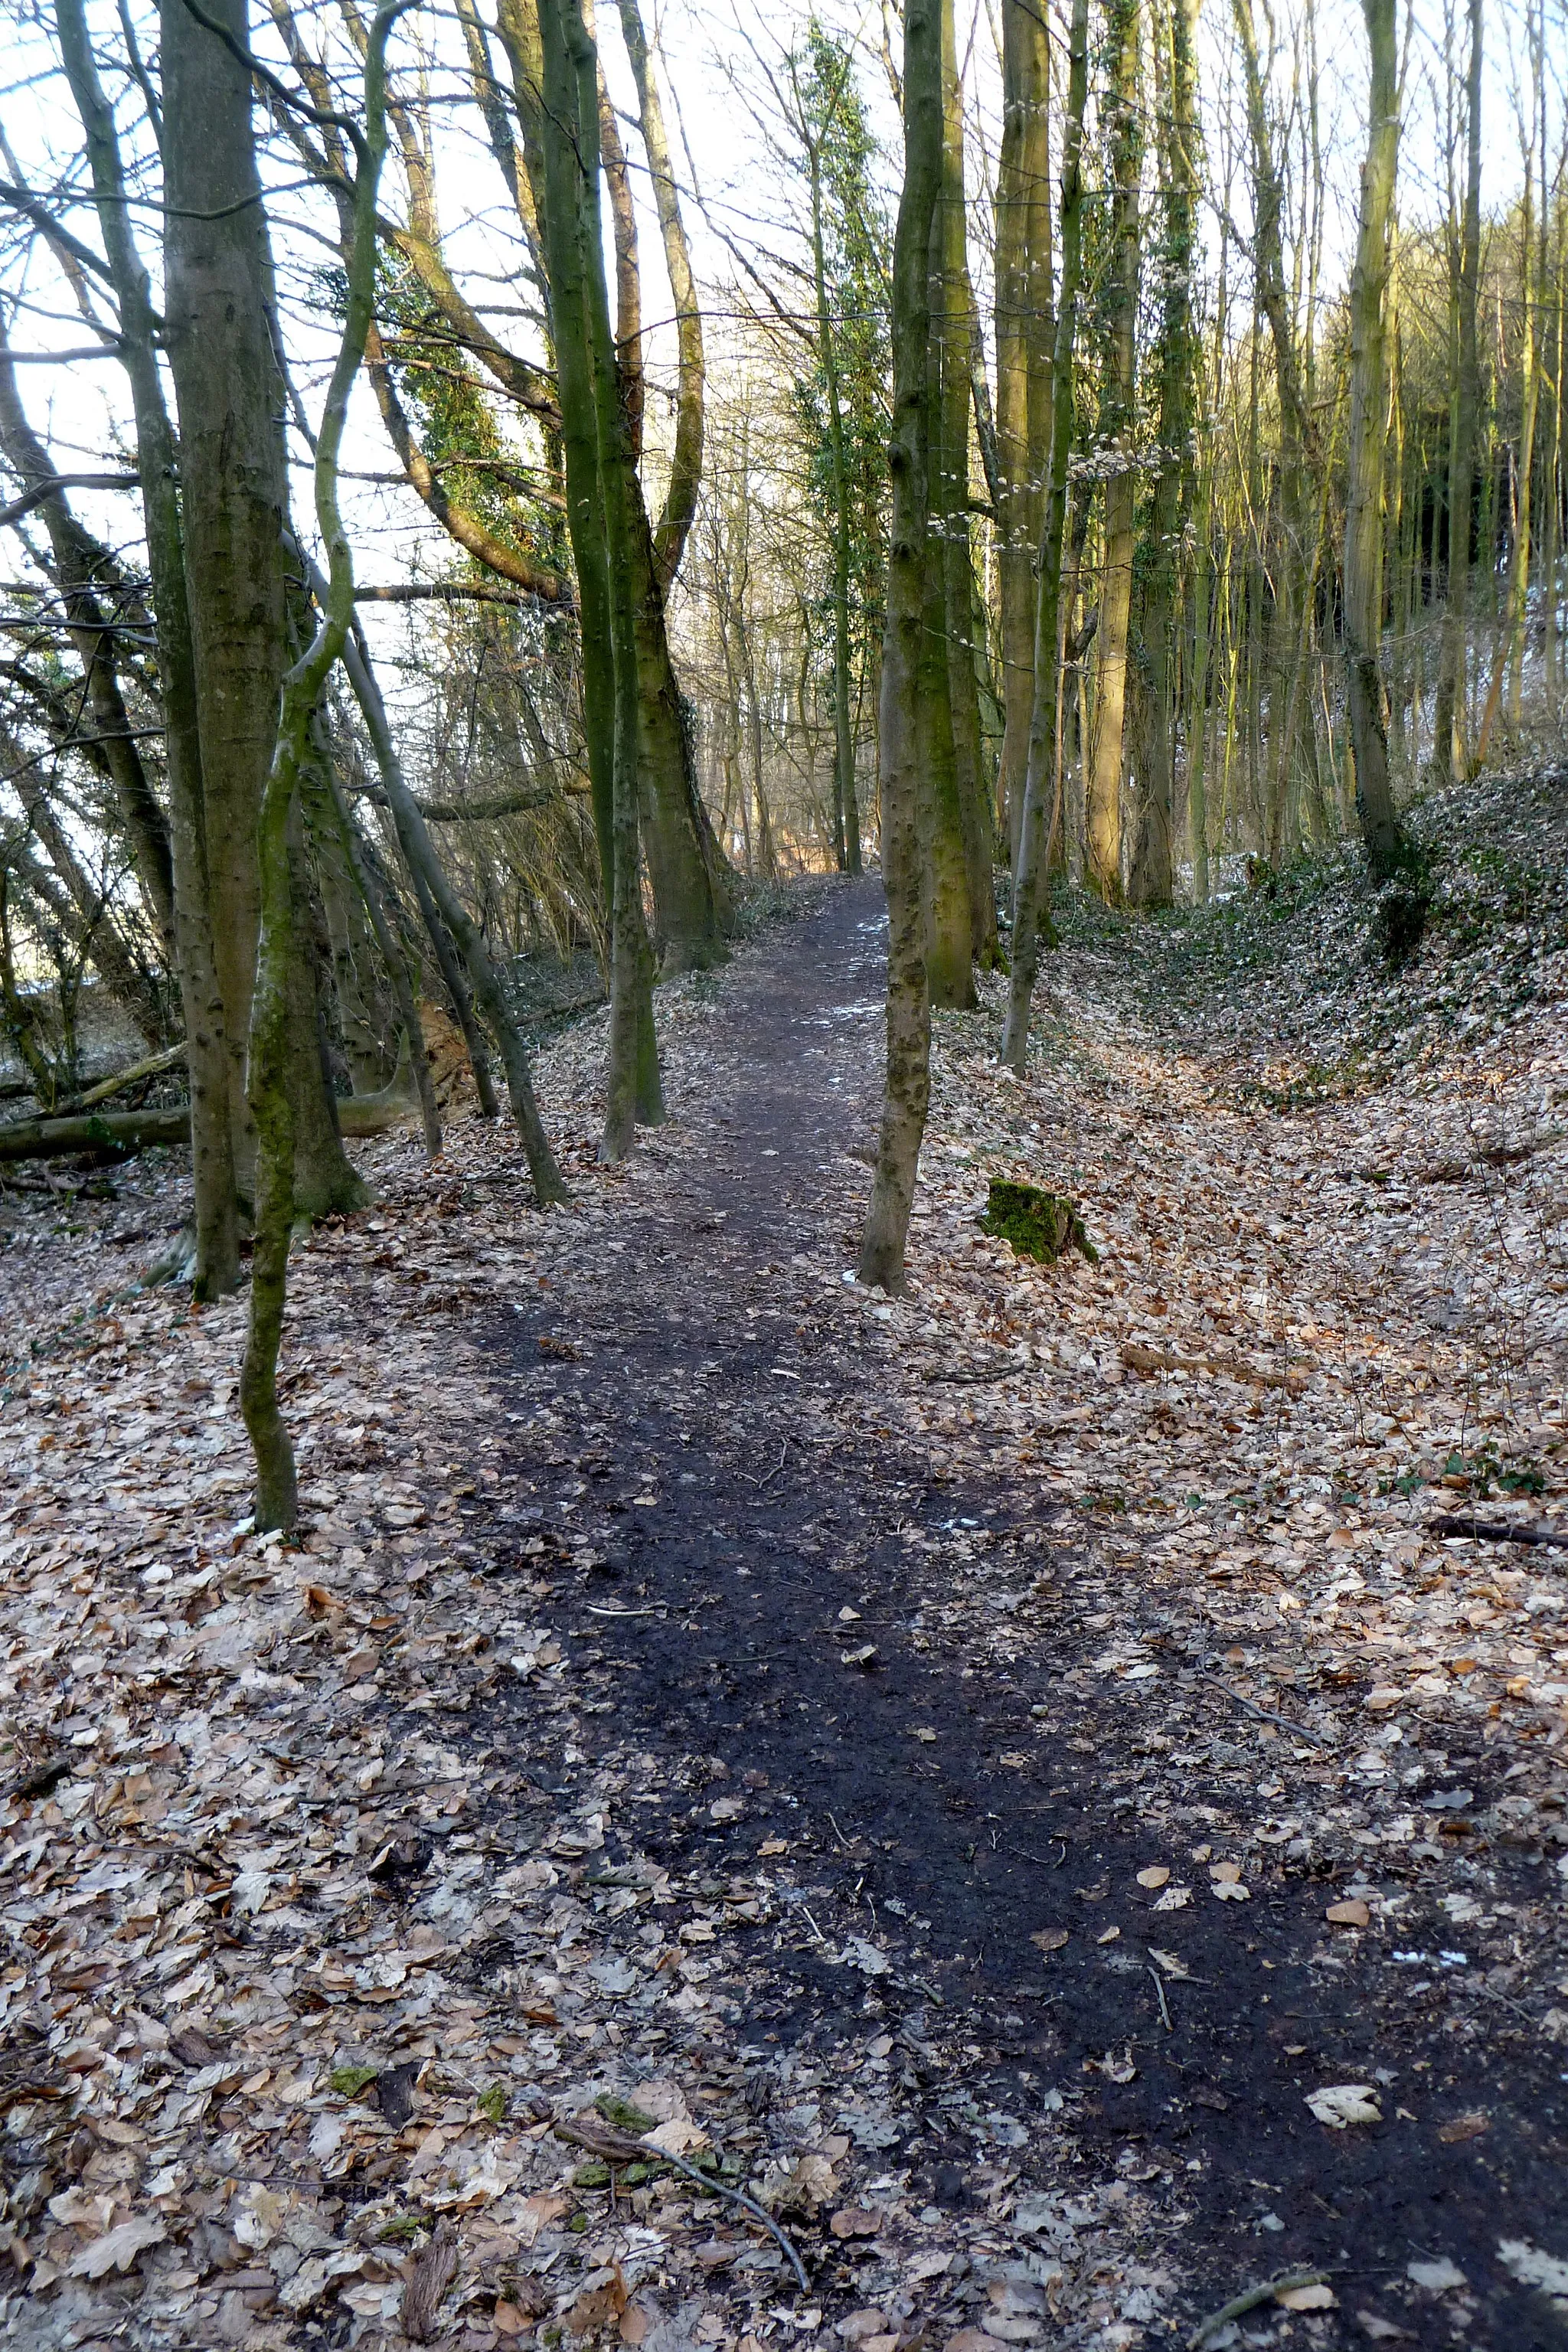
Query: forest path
{"points": [[708, 1449]]}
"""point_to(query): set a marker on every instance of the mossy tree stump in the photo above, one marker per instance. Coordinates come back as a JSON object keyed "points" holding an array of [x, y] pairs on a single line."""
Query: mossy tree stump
{"points": [[1038, 1224]]}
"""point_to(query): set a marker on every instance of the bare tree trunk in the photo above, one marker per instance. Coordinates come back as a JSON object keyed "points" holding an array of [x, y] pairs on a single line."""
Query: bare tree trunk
{"points": [[217, 289], [1149, 869], [1387, 848], [1025, 331], [1530, 291], [209, 1063], [955, 392], [908, 1080], [846, 811], [271, 1058], [1042, 789], [950, 972], [581, 310]]}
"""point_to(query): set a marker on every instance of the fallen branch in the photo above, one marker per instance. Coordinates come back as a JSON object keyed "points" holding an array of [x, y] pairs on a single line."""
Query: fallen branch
{"points": [[613, 2146], [1266, 1714], [1524, 1531], [1249, 2300]]}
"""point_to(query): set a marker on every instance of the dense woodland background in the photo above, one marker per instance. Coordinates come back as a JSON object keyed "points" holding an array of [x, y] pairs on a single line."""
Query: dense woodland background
{"points": [[489, 492]]}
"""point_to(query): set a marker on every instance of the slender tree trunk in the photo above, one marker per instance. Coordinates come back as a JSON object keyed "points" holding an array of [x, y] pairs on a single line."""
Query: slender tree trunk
{"points": [[272, 1060], [1024, 332], [908, 1080], [1042, 779], [1386, 849], [1117, 424], [950, 973]]}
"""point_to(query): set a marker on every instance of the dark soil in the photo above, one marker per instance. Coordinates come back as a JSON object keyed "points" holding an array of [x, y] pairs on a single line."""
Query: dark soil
{"points": [[727, 1375]]}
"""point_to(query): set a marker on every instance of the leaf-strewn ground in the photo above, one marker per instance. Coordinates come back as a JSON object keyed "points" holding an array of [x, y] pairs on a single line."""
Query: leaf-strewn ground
{"points": [[1190, 1775]]}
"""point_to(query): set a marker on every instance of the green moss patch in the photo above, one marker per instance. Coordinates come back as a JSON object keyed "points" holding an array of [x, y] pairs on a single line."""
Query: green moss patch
{"points": [[1038, 1224]]}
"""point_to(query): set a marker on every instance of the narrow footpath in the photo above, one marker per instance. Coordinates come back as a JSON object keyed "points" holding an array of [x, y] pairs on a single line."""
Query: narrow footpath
{"points": [[767, 1578]]}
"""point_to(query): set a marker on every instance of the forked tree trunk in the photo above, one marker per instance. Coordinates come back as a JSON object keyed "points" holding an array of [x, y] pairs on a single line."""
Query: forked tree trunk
{"points": [[908, 1080]]}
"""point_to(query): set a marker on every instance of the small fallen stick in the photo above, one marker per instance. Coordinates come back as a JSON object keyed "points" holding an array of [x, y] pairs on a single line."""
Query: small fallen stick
{"points": [[1249, 2300], [615, 2147], [1524, 1531]]}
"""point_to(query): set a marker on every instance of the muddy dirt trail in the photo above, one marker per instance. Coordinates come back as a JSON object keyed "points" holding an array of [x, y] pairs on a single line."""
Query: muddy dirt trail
{"points": [[696, 1467]]}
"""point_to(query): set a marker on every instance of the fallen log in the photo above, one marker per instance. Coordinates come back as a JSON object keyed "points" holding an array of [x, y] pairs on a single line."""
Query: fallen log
{"points": [[1524, 1531], [122, 1132]]}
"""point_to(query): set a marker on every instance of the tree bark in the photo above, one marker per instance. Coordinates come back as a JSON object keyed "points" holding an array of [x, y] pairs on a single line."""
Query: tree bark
{"points": [[908, 1079], [959, 628], [217, 291], [1041, 792], [1387, 848], [1451, 725], [1117, 424], [1025, 333], [1150, 877], [211, 1063]]}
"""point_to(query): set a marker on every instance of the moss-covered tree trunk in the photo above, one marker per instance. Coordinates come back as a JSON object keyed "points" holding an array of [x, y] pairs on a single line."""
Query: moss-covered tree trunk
{"points": [[1387, 848], [579, 305]]}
